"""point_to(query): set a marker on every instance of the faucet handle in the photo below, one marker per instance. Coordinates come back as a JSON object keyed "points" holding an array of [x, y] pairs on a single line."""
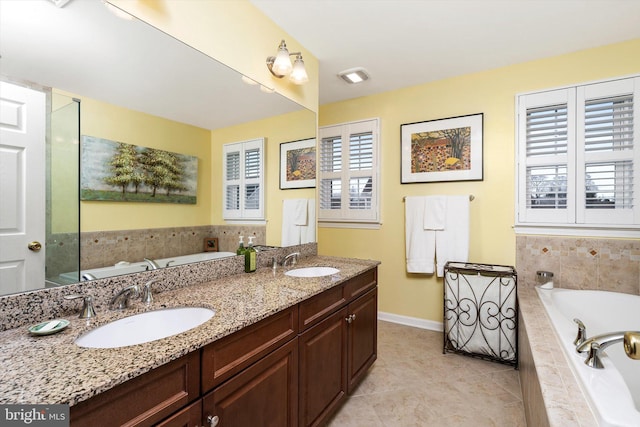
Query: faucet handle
{"points": [[582, 333], [87, 311], [147, 295]]}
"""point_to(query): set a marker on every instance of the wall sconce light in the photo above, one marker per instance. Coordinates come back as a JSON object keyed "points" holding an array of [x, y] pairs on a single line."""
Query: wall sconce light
{"points": [[280, 65]]}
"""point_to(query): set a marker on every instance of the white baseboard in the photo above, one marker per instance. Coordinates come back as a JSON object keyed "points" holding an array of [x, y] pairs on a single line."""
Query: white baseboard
{"points": [[410, 321]]}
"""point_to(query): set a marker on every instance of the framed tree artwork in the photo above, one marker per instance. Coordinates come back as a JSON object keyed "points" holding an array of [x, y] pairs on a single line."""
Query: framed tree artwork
{"points": [[298, 164], [442, 150]]}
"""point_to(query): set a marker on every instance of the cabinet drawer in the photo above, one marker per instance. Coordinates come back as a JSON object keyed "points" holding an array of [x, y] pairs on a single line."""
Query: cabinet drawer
{"points": [[229, 355], [316, 308], [265, 394], [361, 284], [191, 416], [144, 400]]}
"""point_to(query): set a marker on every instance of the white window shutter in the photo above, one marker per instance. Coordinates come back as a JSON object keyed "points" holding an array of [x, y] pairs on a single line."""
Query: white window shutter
{"points": [[349, 172], [244, 180]]}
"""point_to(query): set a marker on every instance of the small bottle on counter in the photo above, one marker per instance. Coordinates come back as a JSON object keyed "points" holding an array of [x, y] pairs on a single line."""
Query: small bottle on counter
{"points": [[241, 248], [250, 256]]}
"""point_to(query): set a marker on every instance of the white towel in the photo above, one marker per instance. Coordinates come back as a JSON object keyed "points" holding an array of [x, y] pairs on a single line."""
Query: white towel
{"points": [[452, 243], [300, 211], [298, 221], [435, 208], [308, 232], [420, 243]]}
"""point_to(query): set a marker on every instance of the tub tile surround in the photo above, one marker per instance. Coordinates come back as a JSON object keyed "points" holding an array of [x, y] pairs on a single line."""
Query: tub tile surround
{"points": [[53, 369], [577, 263], [31, 307], [581, 263], [106, 248]]}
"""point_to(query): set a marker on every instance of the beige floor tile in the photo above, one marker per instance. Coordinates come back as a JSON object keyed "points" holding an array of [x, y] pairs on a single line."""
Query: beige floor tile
{"points": [[414, 384]]}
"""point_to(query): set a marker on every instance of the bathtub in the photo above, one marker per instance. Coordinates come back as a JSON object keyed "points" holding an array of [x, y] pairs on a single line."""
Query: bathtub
{"points": [[137, 267], [613, 393]]}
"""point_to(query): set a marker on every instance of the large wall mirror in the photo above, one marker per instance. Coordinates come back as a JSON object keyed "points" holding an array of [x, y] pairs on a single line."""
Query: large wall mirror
{"points": [[125, 81]]}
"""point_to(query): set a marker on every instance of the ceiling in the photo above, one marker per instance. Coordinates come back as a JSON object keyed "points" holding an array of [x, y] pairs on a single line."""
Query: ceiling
{"points": [[402, 43], [84, 49]]}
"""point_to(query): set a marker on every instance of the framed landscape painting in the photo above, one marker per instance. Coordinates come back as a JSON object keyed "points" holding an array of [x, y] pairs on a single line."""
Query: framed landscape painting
{"points": [[442, 150], [120, 172]]}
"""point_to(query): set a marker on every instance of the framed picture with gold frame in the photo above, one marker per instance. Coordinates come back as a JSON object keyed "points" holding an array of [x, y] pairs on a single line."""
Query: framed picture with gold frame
{"points": [[442, 150], [211, 244]]}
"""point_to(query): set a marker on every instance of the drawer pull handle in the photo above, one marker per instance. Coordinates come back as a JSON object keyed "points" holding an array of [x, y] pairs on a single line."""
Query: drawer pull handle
{"points": [[350, 318], [213, 420]]}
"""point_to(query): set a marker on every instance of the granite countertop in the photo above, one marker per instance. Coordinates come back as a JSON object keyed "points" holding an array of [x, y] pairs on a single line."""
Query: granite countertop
{"points": [[53, 369]]}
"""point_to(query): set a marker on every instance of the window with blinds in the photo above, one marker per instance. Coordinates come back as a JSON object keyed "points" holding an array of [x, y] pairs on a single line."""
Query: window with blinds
{"points": [[577, 156], [243, 183], [348, 172]]}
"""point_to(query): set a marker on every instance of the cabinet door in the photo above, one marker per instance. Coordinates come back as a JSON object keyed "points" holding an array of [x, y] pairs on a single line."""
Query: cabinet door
{"points": [[323, 368], [265, 394], [363, 336], [191, 416]]}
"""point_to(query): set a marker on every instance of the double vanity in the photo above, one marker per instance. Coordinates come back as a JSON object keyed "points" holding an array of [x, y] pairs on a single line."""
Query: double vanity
{"points": [[279, 350]]}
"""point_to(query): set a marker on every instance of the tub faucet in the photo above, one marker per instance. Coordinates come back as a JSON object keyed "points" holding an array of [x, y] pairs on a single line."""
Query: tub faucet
{"points": [[121, 300], [596, 345], [88, 276], [582, 333], [152, 264]]}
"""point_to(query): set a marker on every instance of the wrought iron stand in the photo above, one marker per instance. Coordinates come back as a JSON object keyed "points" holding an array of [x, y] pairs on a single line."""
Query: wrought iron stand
{"points": [[481, 311]]}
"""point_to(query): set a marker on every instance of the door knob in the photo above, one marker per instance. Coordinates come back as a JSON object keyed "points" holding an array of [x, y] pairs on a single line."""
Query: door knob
{"points": [[34, 246]]}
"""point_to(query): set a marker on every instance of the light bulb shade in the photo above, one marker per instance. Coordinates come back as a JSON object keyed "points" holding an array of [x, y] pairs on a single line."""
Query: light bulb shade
{"points": [[299, 73], [282, 64]]}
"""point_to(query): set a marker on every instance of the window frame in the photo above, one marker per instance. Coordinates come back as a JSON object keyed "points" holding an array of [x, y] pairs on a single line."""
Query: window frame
{"points": [[344, 216], [243, 213], [578, 219]]}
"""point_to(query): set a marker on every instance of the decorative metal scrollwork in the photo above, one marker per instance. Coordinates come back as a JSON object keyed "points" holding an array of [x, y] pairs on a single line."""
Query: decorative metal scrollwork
{"points": [[481, 311]]}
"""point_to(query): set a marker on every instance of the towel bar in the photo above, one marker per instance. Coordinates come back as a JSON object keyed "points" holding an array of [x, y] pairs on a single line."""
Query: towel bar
{"points": [[471, 198]]}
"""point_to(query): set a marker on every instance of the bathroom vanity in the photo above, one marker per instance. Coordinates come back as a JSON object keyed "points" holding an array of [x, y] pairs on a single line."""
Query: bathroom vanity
{"points": [[280, 351]]}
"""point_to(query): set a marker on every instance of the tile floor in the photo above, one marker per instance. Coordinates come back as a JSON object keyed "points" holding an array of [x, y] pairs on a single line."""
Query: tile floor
{"points": [[413, 384]]}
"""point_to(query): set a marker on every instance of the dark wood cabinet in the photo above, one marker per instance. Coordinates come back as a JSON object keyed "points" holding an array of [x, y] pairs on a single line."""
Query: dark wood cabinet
{"points": [[336, 352], [265, 394], [323, 369], [294, 368], [362, 337], [144, 400]]}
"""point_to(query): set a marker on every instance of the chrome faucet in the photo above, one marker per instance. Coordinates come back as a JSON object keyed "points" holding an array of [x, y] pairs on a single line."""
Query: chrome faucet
{"points": [[121, 300], [152, 264], [147, 295], [88, 276], [596, 345], [291, 259], [582, 333], [87, 311]]}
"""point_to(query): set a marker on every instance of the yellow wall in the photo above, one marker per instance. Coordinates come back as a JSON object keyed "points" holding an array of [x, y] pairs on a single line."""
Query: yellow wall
{"points": [[275, 130], [235, 33], [107, 121], [492, 212]]}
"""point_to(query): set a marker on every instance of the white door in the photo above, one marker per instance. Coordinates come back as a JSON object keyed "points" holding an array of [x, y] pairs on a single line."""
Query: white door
{"points": [[22, 188]]}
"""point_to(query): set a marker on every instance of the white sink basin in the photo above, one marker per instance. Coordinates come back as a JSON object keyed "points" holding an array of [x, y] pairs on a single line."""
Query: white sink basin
{"points": [[312, 272], [145, 327]]}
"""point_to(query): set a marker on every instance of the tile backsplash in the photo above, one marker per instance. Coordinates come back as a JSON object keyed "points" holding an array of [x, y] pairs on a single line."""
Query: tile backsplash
{"points": [[106, 248], [581, 262]]}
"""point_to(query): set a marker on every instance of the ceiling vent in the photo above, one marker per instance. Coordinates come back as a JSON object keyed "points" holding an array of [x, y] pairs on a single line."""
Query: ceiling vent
{"points": [[354, 75]]}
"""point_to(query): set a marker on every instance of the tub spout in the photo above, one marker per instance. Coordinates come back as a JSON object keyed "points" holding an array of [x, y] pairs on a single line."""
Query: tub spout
{"points": [[596, 345]]}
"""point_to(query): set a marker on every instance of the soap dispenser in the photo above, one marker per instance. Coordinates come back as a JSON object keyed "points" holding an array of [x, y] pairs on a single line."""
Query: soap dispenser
{"points": [[241, 248], [250, 256]]}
